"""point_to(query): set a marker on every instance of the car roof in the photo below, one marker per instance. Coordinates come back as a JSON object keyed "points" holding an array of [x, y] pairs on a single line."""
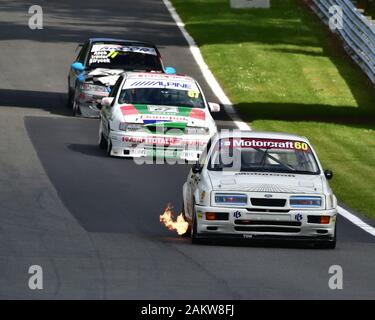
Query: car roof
{"points": [[156, 76], [260, 135], [110, 40]]}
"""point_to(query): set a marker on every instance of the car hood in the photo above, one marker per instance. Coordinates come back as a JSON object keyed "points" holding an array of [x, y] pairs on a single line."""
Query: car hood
{"points": [[266, 182], [104, 76], [172, 116]]}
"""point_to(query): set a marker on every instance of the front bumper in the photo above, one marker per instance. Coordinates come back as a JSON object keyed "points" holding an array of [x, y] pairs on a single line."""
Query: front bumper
{"points": [[138, 145], [242, 224]]}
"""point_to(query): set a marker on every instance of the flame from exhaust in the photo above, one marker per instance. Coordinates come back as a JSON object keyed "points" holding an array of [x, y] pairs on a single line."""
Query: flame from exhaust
{"points": [[180, 225]]}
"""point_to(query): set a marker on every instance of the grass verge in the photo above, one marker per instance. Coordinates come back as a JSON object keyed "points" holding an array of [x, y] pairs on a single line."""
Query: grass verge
{"points": [[284, 71]]}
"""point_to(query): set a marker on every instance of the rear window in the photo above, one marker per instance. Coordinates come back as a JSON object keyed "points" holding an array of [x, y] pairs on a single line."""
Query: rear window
{"points": [[116, 56]]}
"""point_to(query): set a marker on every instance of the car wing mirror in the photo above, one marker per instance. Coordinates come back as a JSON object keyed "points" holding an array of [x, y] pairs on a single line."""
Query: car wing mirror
{"points": [[197, 168], [328, 174], [214, 107], [78, 66], [107, 101]]}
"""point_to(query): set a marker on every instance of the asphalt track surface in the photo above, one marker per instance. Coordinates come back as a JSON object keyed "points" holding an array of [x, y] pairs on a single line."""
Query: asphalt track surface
{"points": [[92, 222]]}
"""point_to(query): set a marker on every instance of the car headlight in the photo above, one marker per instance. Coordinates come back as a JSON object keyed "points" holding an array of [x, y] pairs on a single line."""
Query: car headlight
{"points": [[305, 202], [231, 199], [93, 88], [196, 130], [131, 127]]}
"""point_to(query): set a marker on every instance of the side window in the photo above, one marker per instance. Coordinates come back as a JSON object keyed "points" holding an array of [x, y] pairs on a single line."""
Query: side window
{"points": [[116, 88], [83, 53]]}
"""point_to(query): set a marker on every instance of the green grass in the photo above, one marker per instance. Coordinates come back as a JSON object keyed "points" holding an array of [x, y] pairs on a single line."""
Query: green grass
{"points": [[285, 72]]}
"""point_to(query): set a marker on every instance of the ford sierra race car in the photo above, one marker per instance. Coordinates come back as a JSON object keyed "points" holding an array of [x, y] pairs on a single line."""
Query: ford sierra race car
{"points": [[98, 66], [254, 185], [156, 115]]}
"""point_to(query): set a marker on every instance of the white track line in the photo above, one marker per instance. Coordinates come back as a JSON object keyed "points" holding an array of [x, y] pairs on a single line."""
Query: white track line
{"points": [[357, 221], [211, 80], [228, 106]]}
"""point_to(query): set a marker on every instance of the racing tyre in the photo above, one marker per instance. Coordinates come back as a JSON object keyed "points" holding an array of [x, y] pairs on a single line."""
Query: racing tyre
{"points": [[194, 238], [75, 109], [328, 244], [109, 147], [188, 231], [69, 102], [102, 141]]}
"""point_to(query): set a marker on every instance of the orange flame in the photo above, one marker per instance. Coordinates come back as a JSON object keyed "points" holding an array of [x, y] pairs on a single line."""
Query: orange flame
{"points": [[180, 225]]}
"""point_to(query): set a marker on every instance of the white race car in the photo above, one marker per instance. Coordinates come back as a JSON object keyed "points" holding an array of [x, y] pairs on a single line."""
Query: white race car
{"points": [[156, 115], [255, 185]]}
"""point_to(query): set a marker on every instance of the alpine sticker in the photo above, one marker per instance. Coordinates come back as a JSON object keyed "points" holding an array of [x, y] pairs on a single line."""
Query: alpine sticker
{"points": [[160, 84]]}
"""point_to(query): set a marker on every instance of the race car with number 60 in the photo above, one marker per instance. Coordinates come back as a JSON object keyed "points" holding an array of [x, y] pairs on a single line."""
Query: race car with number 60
{"points": [[156, 115], [254, 185]]}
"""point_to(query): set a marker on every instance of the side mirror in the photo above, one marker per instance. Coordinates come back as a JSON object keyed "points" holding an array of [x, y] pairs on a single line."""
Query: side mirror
{"points": [[197, 168], [78, 66], [170, 70], [214, 107], [328, 174], [107, 101]]}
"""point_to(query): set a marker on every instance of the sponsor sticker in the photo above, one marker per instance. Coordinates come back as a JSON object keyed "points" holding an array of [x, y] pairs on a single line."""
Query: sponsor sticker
{"points": [[162, 109], [107, 48], [237, 214], [169, 84], [266, 144]]}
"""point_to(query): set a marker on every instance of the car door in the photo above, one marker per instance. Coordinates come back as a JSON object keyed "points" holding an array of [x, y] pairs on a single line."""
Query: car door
{"points": [[106, 112], [82, 58]]}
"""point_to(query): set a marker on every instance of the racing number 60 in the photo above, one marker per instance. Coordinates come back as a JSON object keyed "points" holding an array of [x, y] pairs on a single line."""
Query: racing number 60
{"points": [[301, 146]]}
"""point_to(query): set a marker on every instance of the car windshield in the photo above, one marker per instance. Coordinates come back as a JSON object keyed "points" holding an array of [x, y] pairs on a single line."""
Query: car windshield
{"points": [[162, 97], [263, 155], [124, 57]]}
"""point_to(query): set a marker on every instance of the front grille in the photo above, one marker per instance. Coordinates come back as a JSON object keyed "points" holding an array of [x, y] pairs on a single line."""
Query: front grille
{"points": [[267, 229], [261, 202], [268, 223]]}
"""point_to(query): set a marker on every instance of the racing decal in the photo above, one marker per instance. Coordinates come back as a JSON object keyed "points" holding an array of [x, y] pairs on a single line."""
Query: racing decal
{"points": [[163, 109], [163, 141], [298, 217], [197, 114], [265, 144], [99, 57], [163, 118], [159, 76], [128, 110], [120, 48], [113, 54], [159, 84], [237, 214]]}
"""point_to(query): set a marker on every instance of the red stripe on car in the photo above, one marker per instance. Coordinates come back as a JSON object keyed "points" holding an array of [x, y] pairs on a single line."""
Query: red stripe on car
{"points": [[128, 110], [197, 114]]}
